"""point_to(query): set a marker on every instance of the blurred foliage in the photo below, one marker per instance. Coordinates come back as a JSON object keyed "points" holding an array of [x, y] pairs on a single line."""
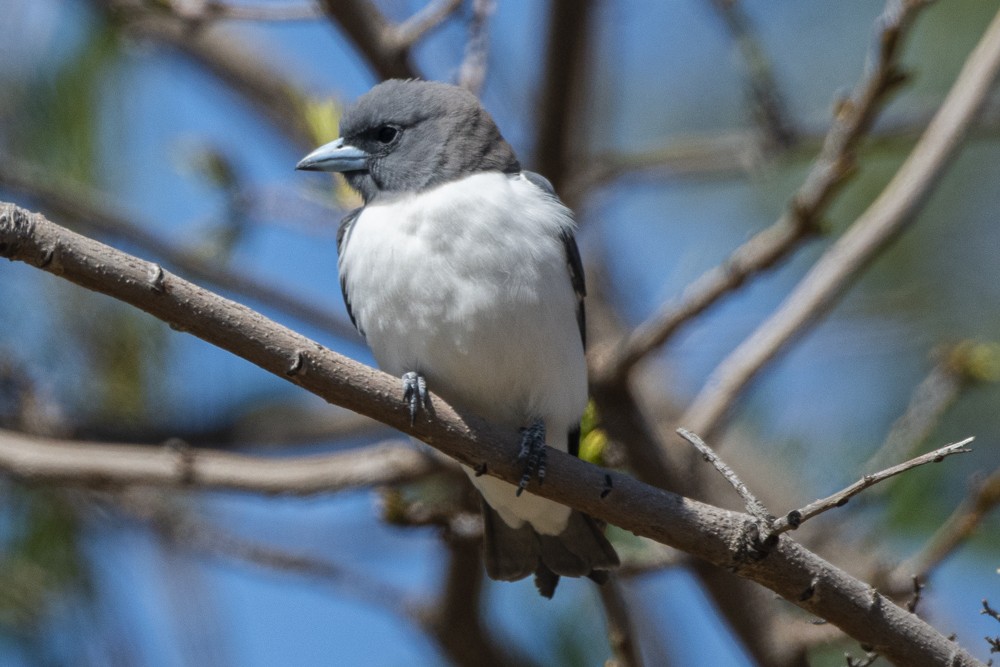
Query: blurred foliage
{"points": [[124, 355], [58, 123], [40, 561]]}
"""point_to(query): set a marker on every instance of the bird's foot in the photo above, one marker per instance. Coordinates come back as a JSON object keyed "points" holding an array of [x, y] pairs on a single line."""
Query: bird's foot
{"points": [[414, 393], [532, 454]]}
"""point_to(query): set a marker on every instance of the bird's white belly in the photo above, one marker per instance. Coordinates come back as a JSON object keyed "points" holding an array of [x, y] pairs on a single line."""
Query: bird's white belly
{"points": [[472, 290]]}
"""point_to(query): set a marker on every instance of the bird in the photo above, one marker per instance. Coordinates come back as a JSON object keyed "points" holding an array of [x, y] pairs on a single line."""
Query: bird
{"points": [[462, 273]]}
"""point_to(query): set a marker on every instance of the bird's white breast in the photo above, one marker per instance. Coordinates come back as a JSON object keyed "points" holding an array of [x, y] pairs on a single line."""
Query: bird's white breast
{"points": [[468, 285]]}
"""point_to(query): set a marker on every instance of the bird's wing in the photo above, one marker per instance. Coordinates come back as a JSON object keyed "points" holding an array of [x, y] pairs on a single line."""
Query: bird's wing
{"points": [[576, 278], [573, 262], [343, 235]]}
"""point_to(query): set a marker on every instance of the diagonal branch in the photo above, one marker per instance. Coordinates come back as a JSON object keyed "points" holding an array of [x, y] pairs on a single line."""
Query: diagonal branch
{"points": [[708, 532], [887, 216], [832, 168]]}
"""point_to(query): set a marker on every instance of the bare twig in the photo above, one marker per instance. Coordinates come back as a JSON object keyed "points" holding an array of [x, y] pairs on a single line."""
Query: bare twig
{"points": [[96, 215], [795, 518], [994, 642], [100, 465], [472, 71], [764, 94], [754, 507], [990, 611], [801, 220], [689, 525], [842, 263]]}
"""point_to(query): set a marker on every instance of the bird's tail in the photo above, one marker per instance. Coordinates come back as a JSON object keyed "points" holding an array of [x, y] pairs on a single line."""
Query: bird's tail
{"points": [[581, 550]]}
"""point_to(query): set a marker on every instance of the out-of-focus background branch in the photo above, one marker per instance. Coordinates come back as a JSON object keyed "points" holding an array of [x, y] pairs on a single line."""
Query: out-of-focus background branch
{"points": [[679, 133]]}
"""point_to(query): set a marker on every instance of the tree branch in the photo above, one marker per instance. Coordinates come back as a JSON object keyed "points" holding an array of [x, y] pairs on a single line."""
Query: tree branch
{"points": [[102, 466], [887, 216], [830, 171], [708, 532]]}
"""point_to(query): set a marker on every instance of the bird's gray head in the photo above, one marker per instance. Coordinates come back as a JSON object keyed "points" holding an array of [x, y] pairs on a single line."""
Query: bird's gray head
{"points": [[408, 136]]}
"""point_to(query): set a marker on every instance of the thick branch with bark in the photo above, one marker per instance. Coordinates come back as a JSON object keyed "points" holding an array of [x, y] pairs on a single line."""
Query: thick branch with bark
{"points": [[710, 533]]}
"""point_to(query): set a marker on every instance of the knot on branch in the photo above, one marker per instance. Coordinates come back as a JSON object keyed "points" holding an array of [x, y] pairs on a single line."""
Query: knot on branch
{"points": [[753, 543], [15, 225]]}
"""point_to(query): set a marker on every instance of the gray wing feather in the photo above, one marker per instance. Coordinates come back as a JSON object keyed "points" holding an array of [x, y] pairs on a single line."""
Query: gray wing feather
{"points": [[343, 235]]}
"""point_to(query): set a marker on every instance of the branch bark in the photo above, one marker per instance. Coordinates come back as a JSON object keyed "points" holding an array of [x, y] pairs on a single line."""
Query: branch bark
{"points": [[710, 533]]}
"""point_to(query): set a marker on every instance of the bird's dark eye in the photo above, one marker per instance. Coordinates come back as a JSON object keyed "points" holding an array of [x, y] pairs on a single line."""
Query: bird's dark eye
{"points": [[386, 134]]}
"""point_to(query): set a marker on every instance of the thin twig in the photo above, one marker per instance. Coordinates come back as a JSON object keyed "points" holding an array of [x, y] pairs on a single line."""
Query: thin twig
{"points": [[689, 525], [882, 222], [795, 518], [753, 506], [831, 170], [990, 611]]}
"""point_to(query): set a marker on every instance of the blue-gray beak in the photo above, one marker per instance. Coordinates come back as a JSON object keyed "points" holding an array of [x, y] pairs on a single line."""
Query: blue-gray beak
{"points": [[335, 156]]}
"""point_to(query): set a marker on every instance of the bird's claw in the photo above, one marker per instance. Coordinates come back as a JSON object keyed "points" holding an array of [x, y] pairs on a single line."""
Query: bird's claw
{"points": [[532, 454], [414, 393]]}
